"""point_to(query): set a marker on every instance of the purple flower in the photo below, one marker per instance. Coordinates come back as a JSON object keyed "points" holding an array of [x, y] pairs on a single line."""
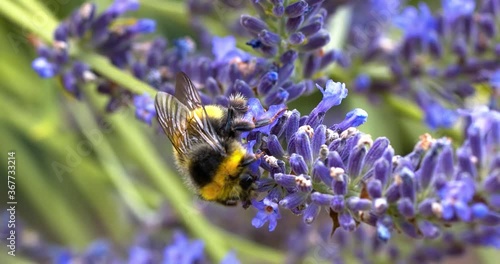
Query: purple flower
{"points": [[495, 79], [184, 46], [333, 93], [99, 251], [362, 83], [453, 9], [447, 83], [121, 6], [182, 250], [427, 184], [224, 49], [258, 115], [139, 254], [143, 26], [268, 212], [298, 26], [230, 258], [267, 82], [144, 108], [296, 9], [44, 68], [354, 118], [479, 210], [436, 115], [406, 21]]}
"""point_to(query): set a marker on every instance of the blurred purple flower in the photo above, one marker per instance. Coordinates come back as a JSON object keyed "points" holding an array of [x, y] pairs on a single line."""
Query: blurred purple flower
{"points": [[44, 68], [453, 9], [230, 258], [144, 108], [183, 251], [224, 49]]}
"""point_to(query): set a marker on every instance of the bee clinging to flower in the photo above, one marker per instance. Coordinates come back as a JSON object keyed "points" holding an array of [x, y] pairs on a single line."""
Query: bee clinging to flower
{"points": [[206, 141]]}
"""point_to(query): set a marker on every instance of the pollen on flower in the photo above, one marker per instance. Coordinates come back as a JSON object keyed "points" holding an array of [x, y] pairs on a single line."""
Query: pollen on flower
{"points": [[269, 209], [437, 209], [323, 152], [360, 181], [271, 160], [365, 140], [308, 130], [348, 132], [302, 183], [398, 180], [331, 135], [336, 173], [426, 141]]}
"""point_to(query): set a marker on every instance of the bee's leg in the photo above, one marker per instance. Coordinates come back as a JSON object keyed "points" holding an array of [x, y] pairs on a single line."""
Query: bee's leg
{"points": [[229, 121], [267, 121], [241, 125], [236, 109], [263, 122], [249, 158], [234, 123]]}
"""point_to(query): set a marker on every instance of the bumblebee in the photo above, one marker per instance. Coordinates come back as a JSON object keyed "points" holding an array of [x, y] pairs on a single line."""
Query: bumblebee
{"points": [[206, 142]]}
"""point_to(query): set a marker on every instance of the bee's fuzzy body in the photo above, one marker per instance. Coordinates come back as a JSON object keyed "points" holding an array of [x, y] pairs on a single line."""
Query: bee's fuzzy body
{"points": [[206, 143]]}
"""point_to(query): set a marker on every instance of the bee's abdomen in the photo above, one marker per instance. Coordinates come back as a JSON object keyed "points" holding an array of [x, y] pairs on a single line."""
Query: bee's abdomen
{"points": [[203, 166]]}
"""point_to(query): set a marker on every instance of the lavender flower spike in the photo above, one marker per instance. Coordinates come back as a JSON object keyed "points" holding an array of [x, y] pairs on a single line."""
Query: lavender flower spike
{"points": [[333, 93]]}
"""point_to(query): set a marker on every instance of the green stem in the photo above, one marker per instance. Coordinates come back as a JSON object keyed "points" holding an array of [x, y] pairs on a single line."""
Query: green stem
{"points": [[40, 11], [174, 10], [338, 27], [340, 22], [5, 258], [43, 195], [102, 65], [22, 18], [404, 107], [84, 178], [107, 157], [487, 255]]}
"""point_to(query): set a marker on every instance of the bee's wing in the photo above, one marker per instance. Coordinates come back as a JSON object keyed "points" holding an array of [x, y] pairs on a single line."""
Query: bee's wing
{"points": [[172, 116], [186, 92], [181, 126], [188, 95]]}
